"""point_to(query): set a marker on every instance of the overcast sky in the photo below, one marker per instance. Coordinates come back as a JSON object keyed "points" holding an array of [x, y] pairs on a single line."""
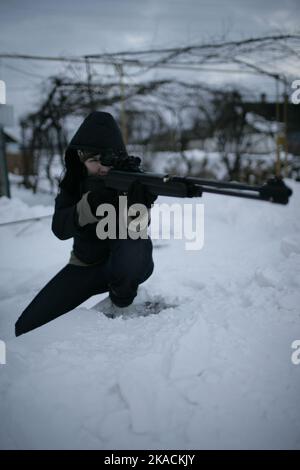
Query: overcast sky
{"points": [[74, 27]]}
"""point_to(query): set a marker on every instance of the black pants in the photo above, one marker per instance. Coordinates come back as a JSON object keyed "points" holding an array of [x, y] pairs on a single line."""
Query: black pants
{"points": [[129, 264]]}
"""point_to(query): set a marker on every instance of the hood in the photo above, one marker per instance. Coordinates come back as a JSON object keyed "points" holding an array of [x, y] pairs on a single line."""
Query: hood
{"points": [[98, 132]]}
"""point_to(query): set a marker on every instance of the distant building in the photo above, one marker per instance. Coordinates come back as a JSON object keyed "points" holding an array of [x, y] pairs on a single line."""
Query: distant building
{"points": [[269, 110], [14, 155]]}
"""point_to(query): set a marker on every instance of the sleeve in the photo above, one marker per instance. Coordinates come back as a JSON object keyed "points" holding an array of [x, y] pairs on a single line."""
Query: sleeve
{"points": [[65, 221]]}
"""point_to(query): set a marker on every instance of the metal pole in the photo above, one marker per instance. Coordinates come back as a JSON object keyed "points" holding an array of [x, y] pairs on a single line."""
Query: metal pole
{"points": [[90, 87], [277, 164], [119, 68], [22, 221], [4, 181], [286, 132]]}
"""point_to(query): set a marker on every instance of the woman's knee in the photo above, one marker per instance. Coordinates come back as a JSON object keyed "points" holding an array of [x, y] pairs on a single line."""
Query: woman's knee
{"points": [[19, 330], [133, 260], [147, 272], [144, 255]]}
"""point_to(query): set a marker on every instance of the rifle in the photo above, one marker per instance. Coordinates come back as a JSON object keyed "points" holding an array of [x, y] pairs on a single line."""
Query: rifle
{"points": [[274, 190], [126, 169]]}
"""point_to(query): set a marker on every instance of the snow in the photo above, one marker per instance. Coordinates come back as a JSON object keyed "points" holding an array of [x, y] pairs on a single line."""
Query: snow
{"points": [[264, 125], [163, 162], [212, 370]]}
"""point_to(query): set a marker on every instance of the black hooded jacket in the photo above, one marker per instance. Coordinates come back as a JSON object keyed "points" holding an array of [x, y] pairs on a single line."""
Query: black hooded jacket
{"points": [[99, 131]]}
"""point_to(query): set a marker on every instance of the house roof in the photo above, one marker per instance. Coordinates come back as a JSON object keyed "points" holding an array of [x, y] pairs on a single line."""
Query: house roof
{"points": [[9, 139]]}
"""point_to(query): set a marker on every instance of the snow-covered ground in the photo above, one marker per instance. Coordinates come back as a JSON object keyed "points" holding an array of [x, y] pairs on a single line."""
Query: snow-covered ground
{"points": [[213, 370]]}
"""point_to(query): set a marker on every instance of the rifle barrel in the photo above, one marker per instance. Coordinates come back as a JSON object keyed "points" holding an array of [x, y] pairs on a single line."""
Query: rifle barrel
{"points": [[274, 190], [223, 184]]}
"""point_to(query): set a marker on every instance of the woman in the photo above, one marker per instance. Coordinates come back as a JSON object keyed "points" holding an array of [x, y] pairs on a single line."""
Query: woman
{"points": [[116, 266]]}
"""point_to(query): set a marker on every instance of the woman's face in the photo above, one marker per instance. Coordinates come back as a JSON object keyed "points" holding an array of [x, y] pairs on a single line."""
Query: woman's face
{"points": [[95, 168]]}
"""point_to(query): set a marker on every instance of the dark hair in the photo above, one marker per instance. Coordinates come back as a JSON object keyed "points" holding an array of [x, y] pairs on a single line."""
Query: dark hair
{"points": [[75, 171]]}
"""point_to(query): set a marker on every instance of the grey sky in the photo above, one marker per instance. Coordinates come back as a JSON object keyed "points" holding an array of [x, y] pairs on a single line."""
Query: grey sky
{"points": [[73, 27]]}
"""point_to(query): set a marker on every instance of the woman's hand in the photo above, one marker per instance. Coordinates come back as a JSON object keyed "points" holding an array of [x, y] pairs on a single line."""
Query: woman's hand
{"points": [[94, 199], [88, 204], [105, 195], [138, 193]]}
